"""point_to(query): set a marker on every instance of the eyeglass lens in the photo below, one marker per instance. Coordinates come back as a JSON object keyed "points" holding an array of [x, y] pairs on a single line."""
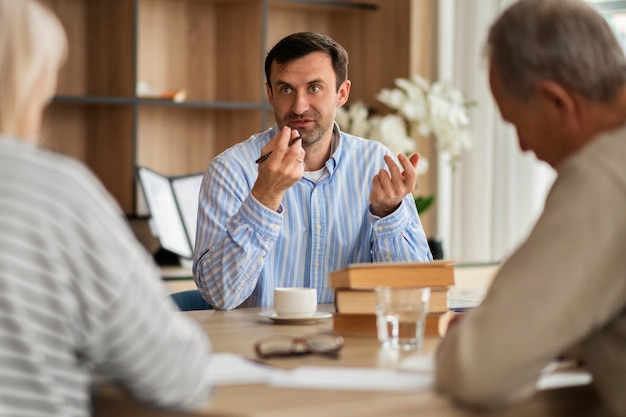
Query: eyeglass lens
{"points": [[289, 346]]}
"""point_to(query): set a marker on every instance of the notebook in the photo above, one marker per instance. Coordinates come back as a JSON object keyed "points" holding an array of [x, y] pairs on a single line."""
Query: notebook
{"points": [[173, 205]]}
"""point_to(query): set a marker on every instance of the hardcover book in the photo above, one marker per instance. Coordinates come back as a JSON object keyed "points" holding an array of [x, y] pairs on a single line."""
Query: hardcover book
{"points": [[363, 301], [365, 324], [394, 274]]}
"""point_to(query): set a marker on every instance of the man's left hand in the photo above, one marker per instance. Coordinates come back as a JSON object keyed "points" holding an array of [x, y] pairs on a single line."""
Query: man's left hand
{"points": [[389, 187]]}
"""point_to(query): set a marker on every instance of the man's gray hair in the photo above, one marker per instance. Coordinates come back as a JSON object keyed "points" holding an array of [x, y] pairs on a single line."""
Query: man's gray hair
{"points": [[565, 41]]}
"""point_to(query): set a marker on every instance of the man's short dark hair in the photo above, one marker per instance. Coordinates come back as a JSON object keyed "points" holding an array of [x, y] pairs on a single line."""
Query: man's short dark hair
{"points": [[301, 44]]}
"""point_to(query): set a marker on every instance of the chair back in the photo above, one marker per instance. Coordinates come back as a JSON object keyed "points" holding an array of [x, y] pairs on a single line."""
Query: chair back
{"points": [[190, 300]]}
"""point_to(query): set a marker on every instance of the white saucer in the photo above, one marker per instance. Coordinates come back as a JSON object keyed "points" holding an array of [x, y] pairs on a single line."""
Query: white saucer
{"points": [[272, 315]]}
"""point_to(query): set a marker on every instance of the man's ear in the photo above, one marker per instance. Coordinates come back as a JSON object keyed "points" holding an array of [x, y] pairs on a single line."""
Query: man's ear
{"points": [[343, 93], [557, 102]]}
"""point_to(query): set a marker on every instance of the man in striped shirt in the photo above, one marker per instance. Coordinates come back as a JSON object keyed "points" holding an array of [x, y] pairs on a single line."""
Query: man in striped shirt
{"points": [[78, 293], [317, 200]]}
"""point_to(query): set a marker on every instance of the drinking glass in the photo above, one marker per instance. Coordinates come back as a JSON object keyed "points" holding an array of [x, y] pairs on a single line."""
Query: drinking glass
{"points": [[400, 316]]}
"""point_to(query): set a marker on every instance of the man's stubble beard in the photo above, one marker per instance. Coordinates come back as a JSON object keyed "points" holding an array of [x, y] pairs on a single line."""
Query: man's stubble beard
{"points": [[312, 138]]}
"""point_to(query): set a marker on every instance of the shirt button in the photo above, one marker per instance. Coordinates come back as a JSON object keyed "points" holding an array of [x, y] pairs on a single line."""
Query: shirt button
{"points": [[318, 227], [261, 259], [317, 264], [380, 227], [388, 256]]}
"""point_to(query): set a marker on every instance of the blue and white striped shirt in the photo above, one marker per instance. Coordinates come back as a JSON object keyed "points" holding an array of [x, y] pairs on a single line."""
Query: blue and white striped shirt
{"points": [[243, 250]]}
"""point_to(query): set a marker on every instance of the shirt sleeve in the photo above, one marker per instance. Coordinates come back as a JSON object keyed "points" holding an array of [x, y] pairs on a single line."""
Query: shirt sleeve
{"points": [[562, 285], [399, 237], [152, 349], [129, 327], [235, 233]]}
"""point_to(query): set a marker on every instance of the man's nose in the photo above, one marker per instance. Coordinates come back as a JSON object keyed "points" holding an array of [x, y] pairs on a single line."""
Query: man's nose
{"points": [[300, 104]]}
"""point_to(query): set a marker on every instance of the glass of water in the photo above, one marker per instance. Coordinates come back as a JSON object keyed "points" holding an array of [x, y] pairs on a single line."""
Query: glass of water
{"points": [[401, 315]]}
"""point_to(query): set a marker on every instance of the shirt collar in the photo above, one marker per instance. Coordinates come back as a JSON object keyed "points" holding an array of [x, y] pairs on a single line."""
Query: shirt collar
{"points": [[336, 149]]}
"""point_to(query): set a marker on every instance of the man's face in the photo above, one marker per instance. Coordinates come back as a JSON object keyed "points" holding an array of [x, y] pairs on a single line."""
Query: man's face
{"points": [[535, 131], [305, 97]]}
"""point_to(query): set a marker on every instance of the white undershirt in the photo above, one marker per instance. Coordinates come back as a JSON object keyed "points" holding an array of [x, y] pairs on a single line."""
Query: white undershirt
{"points": [[320, 174], [316, 176]]}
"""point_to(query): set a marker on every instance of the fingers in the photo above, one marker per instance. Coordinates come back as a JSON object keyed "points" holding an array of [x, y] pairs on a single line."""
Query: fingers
{"points": [[394, 169], [277, 145], [391, 185], [280, 167], [409, 175], [295, 152], [284, 147], [402, 181], [449, 320]]}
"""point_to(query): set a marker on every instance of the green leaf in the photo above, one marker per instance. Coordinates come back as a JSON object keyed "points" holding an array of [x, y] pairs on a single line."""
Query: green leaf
{"points": [[424, 202]]}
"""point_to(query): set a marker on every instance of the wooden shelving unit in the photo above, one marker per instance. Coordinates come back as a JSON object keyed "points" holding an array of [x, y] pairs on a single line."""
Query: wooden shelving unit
{"points": [[213, 49]]}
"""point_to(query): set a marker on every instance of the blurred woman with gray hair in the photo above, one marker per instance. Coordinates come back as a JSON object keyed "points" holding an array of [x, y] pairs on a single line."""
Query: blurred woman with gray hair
{"points": [[78, 294]]}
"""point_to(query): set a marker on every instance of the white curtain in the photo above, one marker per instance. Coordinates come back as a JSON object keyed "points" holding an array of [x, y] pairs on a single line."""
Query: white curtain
{"points": [[490, 203]]}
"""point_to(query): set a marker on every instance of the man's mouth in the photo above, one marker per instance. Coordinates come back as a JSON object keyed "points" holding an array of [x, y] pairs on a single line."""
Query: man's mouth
{"points": [[300, 123]]}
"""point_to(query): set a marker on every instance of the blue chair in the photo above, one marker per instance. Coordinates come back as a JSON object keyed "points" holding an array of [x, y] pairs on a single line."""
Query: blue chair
{"points": [[190, 300]]}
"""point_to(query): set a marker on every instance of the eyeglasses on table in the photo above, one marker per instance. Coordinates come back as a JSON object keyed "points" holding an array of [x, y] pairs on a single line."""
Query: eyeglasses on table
{"points": [[325, 344]]}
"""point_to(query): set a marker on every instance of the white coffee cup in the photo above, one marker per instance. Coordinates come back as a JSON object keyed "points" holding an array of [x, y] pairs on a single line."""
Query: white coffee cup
{"points": [[295, 302]]}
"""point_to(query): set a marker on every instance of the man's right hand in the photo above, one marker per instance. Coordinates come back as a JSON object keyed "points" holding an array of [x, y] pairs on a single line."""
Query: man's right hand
{"points": [[448, 320], [281, 170]]}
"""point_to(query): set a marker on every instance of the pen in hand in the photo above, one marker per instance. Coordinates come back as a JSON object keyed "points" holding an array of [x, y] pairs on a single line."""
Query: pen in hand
{"points": [[267, 155]]}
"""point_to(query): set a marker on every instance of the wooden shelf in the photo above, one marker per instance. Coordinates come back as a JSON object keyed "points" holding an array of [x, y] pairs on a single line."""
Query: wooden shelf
{"points": [[215, 51], [101, 47], [99, 134], [163, 129], [329, 5], [94, 100], [224, 105]]}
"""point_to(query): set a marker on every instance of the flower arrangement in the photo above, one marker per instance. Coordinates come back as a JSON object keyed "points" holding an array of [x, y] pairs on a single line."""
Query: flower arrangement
{"points": [[416, 108]]}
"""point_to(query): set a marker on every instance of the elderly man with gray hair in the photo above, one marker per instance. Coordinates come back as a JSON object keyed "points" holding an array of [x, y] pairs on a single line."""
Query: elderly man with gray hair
{"points": [[558, 74]]}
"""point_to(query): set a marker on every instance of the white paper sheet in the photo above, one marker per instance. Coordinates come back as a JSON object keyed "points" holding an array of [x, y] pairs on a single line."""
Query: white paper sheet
{"points": [[414, 373], [555, 375], [418, 363], [465, 297], [354, 379], [230, 369], [562, 375]]}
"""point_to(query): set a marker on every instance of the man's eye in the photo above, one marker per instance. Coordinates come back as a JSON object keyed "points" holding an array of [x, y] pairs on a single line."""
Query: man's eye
{"points": [[285, 90], [315, 88]]}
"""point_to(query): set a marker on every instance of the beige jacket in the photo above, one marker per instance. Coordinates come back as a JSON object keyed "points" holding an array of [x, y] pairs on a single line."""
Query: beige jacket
{"points": [[566, 285]]}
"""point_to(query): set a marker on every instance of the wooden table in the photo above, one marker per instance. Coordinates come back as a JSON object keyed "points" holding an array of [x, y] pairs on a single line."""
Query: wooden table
{"points": [[237, 331]]}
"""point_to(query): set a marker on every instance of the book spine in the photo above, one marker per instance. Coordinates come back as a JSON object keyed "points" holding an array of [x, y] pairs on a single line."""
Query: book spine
{"points": [[368, 277], [364, 301]]}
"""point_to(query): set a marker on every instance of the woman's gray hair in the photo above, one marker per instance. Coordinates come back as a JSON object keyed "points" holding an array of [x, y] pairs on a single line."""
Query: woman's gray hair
{"points": [[33, 46], [565, 41]]}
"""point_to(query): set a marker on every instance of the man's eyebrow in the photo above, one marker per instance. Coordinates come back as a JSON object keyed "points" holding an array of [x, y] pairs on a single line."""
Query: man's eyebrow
{"points": [[317, 81], [284, 83]]}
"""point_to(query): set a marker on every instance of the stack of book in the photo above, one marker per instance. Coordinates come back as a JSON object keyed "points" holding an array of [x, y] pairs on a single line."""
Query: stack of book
{"points": [[355, 299]]}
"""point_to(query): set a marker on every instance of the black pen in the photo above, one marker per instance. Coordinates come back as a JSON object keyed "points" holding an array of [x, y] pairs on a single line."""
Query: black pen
{"points": [[267, 155]]}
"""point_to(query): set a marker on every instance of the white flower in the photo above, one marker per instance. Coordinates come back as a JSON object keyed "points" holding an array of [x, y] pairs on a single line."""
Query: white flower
{"points": [[354, 119], [416, 107], [422, 166], [392, 132]]}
